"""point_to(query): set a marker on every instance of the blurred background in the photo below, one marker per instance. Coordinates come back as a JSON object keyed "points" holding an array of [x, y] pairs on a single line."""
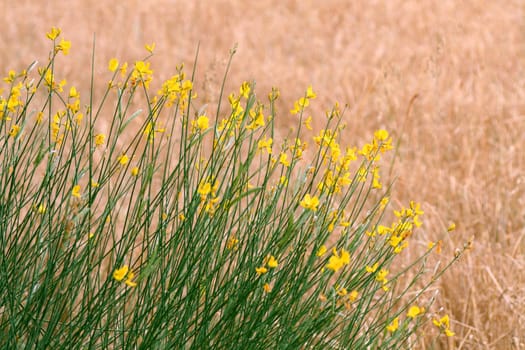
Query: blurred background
{"points": [[446, 78]]}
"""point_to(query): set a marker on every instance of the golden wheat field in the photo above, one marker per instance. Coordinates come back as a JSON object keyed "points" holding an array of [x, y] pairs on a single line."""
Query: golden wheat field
{"points": [[446, 78]]}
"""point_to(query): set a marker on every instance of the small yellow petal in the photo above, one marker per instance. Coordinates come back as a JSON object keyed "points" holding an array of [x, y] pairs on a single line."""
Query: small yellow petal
{"points": [[113, 64]]}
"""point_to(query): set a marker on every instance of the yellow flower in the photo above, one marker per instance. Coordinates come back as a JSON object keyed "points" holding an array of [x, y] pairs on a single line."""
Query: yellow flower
{"points": [[73, 93], [310, 93], [119, 274], [267, 288], [342, 292], [444, 325], [283, 159], [321, 251], [134, 171], [63, 46], [337, 261], [372, 269], [261, 270], [14, 130], [381, 135], [308, 123], [393, 326], [451, 227], [310, 203], [232, 243], [202, 122], [41, 208], [449, 333], [274, 94], [75, 192], [381, 275], [353, 295], [415, 311], [265, 143], [100, 139], [204, 189], [113, 64], [383, 203], [124, 69], [150, 47], [123, 159], [10, 76], [53, 33], [129, 279], [245, 89], [272, 262]]}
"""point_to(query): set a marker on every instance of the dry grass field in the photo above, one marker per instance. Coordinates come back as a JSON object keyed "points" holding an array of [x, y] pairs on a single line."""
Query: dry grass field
{"points": [[446, 78]]}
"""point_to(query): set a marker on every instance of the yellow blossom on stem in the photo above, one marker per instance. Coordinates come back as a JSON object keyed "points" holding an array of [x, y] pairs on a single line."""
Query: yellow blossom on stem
{"points": [[41, 208], [134, 171], [120, 273], [415, 311], [308, 123], [73, 93], [202, 123], [451, 227], [321, 251], [272, 262], [245, 89], [353, 295], [99, 139], [123, 159], [150, 47], [10, 76], [266, 144], [63, 46], [337, 261], [204, 189], [283, 159], [444, 325], [393, 326], [15, 129], [129, 279], [232, 243], [310, 94], [381, 275], [53, 33], [124, 69], [309, 202], [372, 269], [267, 288], [75, 192], [113, 64], [261, 270]]}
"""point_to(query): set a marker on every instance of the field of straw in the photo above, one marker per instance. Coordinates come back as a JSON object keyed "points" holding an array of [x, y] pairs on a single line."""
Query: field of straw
{"points": [[446, 78]]}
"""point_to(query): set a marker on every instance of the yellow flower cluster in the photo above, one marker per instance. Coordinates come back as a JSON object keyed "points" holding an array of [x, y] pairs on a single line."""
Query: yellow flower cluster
{"points": [[400, 230], [124, 272], [381, 143], [208, 193], [177, 89], [269, 262], [338, 260], [303, 102], [309, 202], [346, 298], [413, 312], [444, 325]]}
